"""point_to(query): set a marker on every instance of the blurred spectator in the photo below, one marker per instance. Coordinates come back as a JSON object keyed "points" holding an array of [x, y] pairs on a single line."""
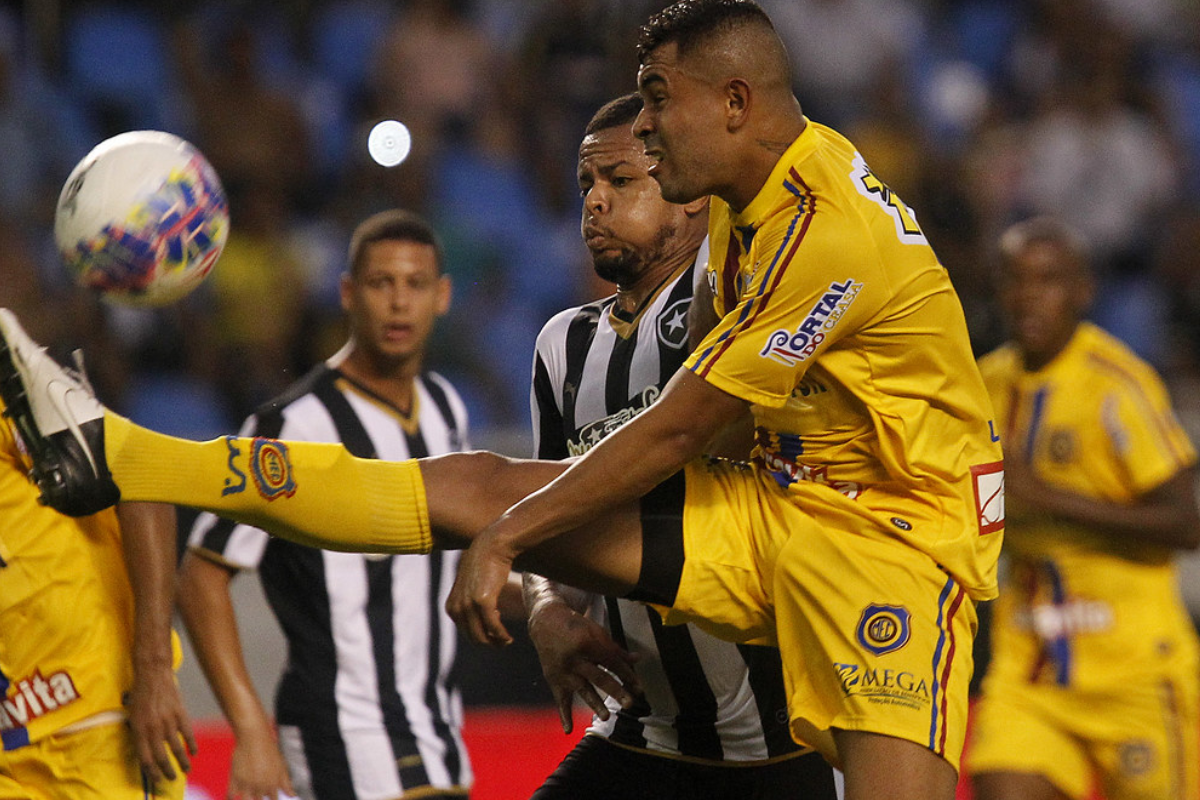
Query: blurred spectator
{"points": [[250, 132], [258, 294], [841, 48]]}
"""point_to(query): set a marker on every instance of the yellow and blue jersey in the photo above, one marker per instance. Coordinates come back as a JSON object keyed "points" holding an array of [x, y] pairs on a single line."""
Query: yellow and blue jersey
{"points": [[66, 610], [844, 333], [1081, 608]]}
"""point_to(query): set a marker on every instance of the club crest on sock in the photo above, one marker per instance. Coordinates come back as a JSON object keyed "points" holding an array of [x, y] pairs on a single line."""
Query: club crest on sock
{"points": [[271, 468]]}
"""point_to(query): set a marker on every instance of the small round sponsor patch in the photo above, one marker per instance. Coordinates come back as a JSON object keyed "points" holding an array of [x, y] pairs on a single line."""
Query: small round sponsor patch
{"points": [[271, 468], [882, 629], [1137, 757], [902, 523]]}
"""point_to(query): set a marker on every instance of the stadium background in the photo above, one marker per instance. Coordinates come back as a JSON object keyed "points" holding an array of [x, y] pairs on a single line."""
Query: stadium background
{"points": [[976, 112]]}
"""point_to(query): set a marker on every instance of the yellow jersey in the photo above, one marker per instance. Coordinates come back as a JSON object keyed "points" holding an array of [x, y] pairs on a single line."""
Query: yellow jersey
{"points": [[844, 333], [1083, 609], [66, 610]]}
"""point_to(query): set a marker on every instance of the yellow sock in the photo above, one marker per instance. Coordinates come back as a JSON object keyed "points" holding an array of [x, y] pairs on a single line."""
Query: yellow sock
{"points": [[313, 493]]}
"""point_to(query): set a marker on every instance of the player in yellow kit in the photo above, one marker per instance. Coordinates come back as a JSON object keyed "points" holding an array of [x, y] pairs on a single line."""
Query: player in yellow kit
{"points": [[1094, 673], [73, 690], [858, 539]]}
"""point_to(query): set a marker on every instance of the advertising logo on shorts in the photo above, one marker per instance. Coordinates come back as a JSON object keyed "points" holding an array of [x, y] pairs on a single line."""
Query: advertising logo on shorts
{"points": [[271, 468], [988, 483], [883, 629], [792, 347]]}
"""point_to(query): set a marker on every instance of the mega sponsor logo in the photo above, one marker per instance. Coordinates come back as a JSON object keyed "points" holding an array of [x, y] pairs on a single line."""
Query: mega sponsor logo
{"points": [[35, 696], [792, 347], [590, 435], [892, 687]]}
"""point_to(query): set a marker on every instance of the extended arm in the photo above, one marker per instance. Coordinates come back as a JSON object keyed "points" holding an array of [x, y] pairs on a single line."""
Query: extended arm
{"points": [[258, 769], [157, 716], [1166, 516], [622, 468]]}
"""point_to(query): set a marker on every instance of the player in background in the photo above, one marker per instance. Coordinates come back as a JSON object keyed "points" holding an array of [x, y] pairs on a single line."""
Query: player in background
{"points": [[859, 537], [366, 706], [90, 707], [710, 719], [1095, 665]]}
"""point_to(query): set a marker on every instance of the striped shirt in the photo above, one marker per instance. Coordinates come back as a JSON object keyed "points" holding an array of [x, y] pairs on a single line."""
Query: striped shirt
{"points": [[595, 368], [370, 648]]}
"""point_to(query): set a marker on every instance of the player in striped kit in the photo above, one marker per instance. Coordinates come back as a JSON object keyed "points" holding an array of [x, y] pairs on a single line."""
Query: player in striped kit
{"points": [[366, 706], [711, 721]]}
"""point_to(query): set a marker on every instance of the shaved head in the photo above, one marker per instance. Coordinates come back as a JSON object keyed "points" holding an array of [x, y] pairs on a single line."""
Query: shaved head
{"points": [[735, 38]]}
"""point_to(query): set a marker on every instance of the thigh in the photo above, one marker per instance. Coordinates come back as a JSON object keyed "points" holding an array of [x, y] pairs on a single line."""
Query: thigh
{"points": [[874, 638], [704, 555], [1147, 748]]}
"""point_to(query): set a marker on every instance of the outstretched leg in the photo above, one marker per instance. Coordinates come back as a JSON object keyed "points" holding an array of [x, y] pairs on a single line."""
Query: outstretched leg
{"points": [[85, 458]]}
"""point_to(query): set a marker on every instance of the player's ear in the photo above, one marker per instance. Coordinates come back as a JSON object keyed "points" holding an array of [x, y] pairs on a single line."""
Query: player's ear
{"points": [[737, 103], [696, 207]]}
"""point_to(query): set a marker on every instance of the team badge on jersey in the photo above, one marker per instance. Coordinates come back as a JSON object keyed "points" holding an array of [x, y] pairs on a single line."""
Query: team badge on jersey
{"points": [[672, 324], [271, 468], [988, 482], [883, 629]]}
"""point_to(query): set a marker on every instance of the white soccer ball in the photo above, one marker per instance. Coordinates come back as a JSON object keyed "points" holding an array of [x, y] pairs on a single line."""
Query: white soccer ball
{"points": [[142, 219]]}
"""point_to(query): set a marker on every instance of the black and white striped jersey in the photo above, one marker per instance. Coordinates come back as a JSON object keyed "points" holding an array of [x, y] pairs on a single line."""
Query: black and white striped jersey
{"points": [[595, 368], [370, 648]]}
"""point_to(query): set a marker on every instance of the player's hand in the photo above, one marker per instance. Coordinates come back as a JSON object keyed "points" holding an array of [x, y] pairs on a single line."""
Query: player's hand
{"points": [[257, 769], [474, 602], [159, 723], [580, 658]]}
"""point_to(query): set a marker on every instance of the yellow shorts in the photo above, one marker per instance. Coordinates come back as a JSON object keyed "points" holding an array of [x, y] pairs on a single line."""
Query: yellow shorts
{"points": [[874, 636], [1139, 741], [91, 764]]}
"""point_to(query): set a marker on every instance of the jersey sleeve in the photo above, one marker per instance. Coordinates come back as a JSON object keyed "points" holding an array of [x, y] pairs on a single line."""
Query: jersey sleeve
{"points": [[805, 293], [545, 405], [1146, 436]]}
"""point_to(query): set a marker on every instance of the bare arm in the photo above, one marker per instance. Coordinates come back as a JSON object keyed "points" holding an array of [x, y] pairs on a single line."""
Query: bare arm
{"points": [[157, 716], [258, 769], [623, 467], [1166, 516]]}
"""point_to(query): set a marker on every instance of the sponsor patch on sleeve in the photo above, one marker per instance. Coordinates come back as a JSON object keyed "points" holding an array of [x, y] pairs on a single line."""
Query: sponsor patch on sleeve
{"points": [[988, 482]]}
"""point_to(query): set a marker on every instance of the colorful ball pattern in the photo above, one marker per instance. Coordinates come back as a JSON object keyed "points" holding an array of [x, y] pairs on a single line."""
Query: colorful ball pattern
{"points": [[142, 219]]}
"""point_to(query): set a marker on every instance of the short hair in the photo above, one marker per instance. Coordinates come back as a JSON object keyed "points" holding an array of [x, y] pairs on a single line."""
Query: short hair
{"points": [[1043, 230], [621, 111], [393, 225], [688, 22]]}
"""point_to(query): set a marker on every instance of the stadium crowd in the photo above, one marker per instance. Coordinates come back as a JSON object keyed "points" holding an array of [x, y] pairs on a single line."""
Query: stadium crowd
{"points": [[978, 112]]}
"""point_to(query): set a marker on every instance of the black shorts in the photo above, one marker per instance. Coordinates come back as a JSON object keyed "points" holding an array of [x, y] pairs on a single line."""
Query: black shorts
{"points": [[662, 542], [597, 769]]}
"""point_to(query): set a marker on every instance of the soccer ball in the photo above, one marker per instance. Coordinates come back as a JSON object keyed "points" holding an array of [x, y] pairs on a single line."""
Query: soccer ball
{"points": [[141, 219]]}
